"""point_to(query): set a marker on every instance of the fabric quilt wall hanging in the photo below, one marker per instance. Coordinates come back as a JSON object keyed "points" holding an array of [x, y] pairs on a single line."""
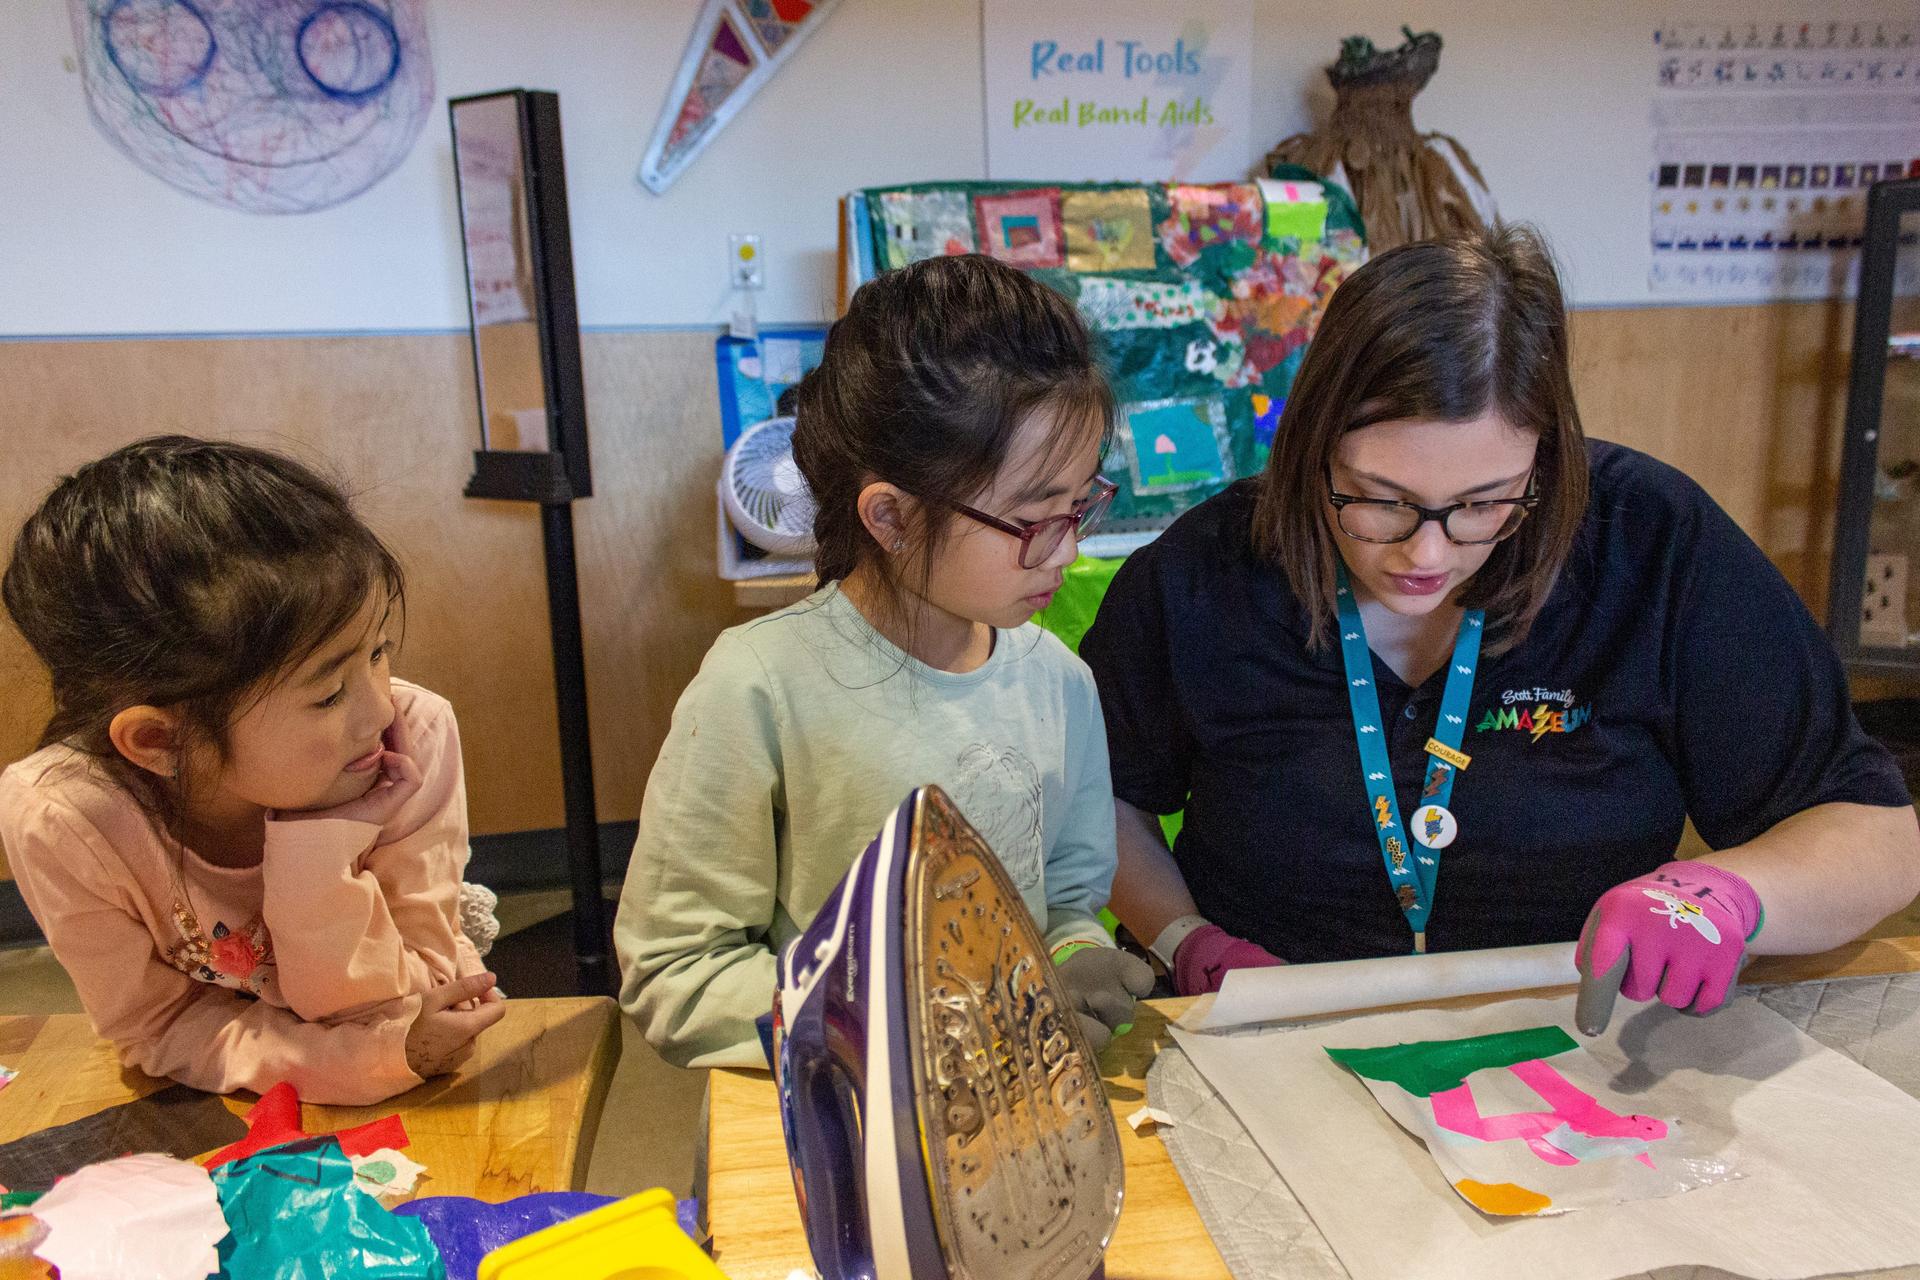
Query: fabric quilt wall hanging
{"points": [[1203, 300]]}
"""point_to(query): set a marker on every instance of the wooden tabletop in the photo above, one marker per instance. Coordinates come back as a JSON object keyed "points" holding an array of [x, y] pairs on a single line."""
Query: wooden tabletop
{"points": [[519, 1117], [756, 1224], [773, 593]]}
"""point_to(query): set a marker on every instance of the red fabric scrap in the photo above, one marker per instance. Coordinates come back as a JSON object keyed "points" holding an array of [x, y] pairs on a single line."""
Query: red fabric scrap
{"points": [[275, 1120]]}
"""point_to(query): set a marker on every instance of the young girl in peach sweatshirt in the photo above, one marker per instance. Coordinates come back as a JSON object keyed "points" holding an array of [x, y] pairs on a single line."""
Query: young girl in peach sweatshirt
{"points": [[242, 837]]}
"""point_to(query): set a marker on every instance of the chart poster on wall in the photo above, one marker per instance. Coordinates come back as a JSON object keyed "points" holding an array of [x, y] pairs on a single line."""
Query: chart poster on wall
{"points": [[1766, 136], [1121, 90]]}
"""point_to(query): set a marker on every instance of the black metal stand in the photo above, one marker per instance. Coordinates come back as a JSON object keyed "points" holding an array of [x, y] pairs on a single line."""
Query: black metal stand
{"points": [[576, 751], [552, 478], [541, 478]]}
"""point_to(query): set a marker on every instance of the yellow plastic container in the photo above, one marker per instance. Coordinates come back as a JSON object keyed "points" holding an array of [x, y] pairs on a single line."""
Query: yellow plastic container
{"points": [[638, 1238]]}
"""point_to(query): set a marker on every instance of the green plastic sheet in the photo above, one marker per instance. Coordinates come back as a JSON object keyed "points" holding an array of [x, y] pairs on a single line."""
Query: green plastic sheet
{"points": [[295, 1214]]}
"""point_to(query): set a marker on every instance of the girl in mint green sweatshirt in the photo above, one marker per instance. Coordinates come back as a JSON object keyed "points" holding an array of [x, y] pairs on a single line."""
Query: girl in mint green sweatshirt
{"points": [[951, 439]]}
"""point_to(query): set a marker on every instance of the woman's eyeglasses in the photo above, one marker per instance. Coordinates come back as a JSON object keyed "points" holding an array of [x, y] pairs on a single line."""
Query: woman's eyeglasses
{"points": [[1466, 524], [1041, 538]]}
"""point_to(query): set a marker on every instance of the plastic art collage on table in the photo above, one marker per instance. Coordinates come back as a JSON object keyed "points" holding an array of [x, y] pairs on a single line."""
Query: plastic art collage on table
{"points": [[1518, 1126]]}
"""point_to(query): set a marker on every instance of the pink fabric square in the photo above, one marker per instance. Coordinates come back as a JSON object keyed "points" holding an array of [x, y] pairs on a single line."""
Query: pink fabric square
{"points": [[1022, 228]]}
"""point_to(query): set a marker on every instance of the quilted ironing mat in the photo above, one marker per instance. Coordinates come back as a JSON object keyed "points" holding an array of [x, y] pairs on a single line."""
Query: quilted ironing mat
{"points": [[1264, 1234]]}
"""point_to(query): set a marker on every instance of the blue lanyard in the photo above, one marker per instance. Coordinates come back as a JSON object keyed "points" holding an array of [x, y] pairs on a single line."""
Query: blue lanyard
{"points": [[1412, 872]]}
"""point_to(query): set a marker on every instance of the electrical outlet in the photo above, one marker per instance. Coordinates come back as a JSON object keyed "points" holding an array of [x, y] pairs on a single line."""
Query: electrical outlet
{"points": [[743, 260], [1883, 607]]}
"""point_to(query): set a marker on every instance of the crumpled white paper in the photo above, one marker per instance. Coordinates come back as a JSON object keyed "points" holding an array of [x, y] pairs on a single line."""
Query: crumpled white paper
{"points": [[146, 1217], [386, 1174]]}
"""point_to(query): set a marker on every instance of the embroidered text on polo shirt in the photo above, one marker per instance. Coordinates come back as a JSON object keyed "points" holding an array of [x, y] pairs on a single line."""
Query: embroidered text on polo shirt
{"points": [[1538, 719]]}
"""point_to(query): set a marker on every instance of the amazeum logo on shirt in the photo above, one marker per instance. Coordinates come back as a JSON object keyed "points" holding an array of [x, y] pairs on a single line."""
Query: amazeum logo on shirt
{"points": [[1536, 712]]}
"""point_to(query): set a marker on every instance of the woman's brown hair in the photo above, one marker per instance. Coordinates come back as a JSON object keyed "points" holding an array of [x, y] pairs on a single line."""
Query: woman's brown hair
{"points": [[1442, 330]]}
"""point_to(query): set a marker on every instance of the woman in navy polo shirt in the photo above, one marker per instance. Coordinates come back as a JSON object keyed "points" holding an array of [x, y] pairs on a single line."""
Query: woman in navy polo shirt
{"points": [[1448, 675]]}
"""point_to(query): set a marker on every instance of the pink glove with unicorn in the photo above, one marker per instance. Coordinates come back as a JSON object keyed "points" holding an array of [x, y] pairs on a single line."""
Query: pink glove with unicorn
{"points": [[1679, 933]]}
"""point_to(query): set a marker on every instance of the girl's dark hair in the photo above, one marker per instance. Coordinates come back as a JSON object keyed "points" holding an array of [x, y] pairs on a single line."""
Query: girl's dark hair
{"points": [[1442, 330], [923, 384], [186, 574]]}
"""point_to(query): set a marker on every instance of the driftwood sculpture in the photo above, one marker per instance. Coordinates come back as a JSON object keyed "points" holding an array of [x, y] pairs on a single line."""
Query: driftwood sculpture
{"points": [[1409, 185]]}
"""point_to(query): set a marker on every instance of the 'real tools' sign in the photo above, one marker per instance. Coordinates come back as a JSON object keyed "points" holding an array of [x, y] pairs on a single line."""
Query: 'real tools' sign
{"points": [[1120, 90]]}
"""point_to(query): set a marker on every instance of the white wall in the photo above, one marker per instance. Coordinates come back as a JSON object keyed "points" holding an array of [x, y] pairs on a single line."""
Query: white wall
{"points": [[1550, 99]]}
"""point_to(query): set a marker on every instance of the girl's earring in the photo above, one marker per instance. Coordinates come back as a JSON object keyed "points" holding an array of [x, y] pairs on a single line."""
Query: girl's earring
{"points": [[899, 545]]}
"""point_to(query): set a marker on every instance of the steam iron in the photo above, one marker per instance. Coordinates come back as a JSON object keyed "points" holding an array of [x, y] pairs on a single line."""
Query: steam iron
{"points": [[944, 1117]]}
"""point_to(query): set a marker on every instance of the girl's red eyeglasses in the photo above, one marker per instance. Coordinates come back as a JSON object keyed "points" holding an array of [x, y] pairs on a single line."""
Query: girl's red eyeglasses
{"points": [[1041, 538]]}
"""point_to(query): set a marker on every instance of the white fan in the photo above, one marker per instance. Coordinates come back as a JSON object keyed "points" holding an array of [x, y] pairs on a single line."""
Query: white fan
{"points": [[765, 495]]}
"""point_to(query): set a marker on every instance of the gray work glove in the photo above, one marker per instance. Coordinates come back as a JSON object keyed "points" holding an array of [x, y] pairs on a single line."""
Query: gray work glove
{"points": [[1102, 984]]}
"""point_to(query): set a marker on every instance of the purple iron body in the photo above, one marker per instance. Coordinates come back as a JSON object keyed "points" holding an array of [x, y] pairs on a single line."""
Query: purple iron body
{"points": [[944, 1117]]}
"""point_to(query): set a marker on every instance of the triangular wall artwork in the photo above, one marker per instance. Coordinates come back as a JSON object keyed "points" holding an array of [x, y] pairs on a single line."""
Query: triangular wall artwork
{"points": [[736, 47]]}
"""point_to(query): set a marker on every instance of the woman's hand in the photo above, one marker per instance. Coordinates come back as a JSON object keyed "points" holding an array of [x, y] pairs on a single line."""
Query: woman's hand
{"points": [[1209, 953], [443, 1032], [1679, 933]]}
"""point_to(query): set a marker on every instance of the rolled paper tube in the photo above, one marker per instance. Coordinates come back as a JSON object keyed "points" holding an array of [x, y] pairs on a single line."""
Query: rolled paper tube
{"points": [[1304, 990]]}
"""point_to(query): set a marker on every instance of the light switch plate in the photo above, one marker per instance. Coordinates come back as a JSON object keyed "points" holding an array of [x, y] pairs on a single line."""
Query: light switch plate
{"points": [[743, 259]]}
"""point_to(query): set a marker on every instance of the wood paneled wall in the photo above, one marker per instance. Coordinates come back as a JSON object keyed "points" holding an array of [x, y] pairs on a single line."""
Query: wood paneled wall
{"points": [[394, 418], [1749, 400]]}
